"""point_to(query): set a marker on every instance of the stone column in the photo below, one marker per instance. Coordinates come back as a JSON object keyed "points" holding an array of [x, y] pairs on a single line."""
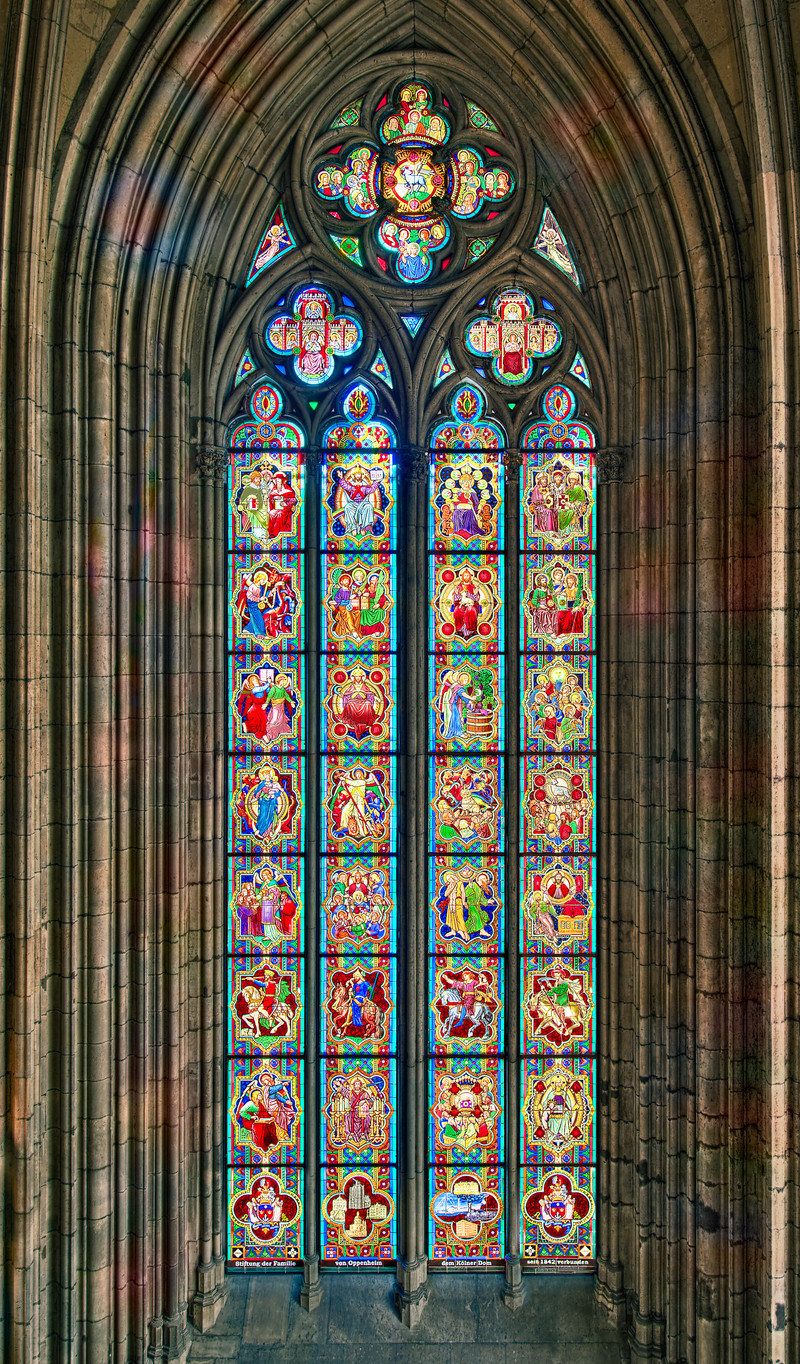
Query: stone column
{"points": [[311, 1289], [609, 1288], [207, 868], [513, 1292], [412, 1269]]}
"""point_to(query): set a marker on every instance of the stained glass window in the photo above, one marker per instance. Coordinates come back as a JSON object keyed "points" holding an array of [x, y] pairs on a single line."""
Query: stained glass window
{"points": [[557, 838], [339, 403], [413, 183], [359, 834], [267, 839], [467, 834]]}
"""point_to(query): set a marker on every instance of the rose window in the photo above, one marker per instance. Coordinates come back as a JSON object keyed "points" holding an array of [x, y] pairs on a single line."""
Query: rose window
{"points": [[418, 176]]}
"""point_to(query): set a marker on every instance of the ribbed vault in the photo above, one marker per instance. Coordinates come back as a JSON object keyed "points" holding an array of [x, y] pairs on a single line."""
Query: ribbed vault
{"points": [[132, 234]]}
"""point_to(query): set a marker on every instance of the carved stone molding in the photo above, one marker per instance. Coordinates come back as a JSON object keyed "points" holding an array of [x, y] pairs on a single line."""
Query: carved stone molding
{"points": [[647, 1336], [212, 463], [210, 1294], [416, 462], [609, 1294], [512, 462], [411, 1290], [514, 1295], [311, 1287], [612, 464], [169, 1339]]}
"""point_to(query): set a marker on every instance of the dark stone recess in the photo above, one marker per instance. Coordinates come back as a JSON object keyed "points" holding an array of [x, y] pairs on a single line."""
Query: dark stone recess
{"points": [[465, 1319]]}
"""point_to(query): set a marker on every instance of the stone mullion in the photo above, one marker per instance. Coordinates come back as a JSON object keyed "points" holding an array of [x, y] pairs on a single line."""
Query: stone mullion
{"points": [[770, 807], [769, 801], [716, 935], [648, 548], [157, 1210], [71, 877], [311, 1290], [412, 886], [679, 570], [24, 970], [36, 1065], [610, 1030], [208, 626], [513, 1294], [161, 752]]}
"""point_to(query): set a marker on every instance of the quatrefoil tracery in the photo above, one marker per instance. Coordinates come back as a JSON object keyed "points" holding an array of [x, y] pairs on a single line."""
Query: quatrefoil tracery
{"points": [[414, 176]]}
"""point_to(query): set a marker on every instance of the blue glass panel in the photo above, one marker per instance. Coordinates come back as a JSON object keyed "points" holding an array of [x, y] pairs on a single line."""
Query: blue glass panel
{"points": [[466, 1010], [557, 911], [558, 1005], [359, 904], [265, 1114], [358, 812], [358, 1005], [358, 691], [266, 904], [466, 1112], [466, 905], [265, 1216], [466, 692], [466, 805], [558, 1111], [358, 1107], [265, 1004], [465, 1218], [266, 695], [558, 1209], [358, 1217]]}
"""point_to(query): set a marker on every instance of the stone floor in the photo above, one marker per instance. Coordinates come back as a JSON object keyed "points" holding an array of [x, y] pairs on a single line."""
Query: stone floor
{"points": [[465, 1320]]}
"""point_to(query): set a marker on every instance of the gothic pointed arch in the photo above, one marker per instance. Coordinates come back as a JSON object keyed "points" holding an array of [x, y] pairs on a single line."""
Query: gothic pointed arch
{"points": [[420, 205]]}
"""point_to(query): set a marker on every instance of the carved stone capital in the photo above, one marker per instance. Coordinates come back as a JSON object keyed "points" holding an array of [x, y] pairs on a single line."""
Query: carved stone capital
{"points": [[212, 463], [512, 463], [611, 464], [416, 463]]}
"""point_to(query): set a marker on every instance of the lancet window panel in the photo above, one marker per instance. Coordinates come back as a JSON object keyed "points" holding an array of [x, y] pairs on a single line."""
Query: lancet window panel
{"points": [[467, 834], [340, 397], [359, 839], [558, 832], [266, 834]]}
